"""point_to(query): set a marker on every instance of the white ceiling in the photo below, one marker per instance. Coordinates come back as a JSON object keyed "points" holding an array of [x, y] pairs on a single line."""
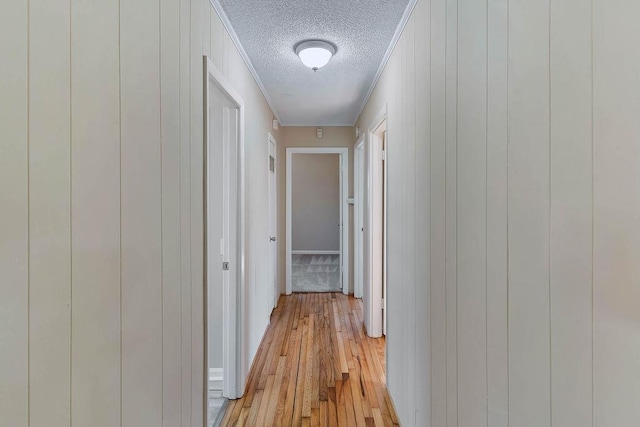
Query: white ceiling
{"points": [[364, 32]]}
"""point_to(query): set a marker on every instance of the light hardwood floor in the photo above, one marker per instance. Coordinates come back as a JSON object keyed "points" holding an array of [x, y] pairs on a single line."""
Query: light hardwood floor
{"points": [[316, 367]]}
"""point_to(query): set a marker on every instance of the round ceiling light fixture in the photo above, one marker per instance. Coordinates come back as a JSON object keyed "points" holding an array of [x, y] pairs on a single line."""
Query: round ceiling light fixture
{"points": [[315, 53]]}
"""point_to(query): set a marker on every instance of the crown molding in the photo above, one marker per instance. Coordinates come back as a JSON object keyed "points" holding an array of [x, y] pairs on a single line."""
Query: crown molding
{"points": [[243, 54], [385, 59], [394, 41]]}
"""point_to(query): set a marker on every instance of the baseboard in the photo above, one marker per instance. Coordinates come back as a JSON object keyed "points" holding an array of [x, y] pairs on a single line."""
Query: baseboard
{"points": [[215, 374], [315, 252]]}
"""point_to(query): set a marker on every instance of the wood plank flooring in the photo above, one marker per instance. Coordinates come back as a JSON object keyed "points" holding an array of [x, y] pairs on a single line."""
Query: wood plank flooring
{"points": [[316, 367]]}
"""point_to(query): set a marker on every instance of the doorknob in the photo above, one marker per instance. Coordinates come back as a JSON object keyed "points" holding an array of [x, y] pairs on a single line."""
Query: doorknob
{"points": [[272, 239]]}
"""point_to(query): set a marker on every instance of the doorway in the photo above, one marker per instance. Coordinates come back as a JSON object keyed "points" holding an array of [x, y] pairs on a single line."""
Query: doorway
{"points": [[317, 226], [273, 221], [358, 216], [223, 231], [375, 220]]}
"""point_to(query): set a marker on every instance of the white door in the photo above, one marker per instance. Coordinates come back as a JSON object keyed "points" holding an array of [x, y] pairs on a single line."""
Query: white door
{"points": [[222, 227], [215, 227], [384, 233], [273, 223], [374, 288], [358, 232]]}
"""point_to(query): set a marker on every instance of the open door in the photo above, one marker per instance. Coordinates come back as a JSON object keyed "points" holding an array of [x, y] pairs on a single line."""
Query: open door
{"points": [[358, 217], [317, 241], [273, 222], [223, 236], [375, 270]]}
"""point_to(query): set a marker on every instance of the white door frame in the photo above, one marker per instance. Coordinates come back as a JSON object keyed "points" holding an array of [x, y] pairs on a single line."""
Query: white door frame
{"points": [[358, 215], [374, 227], [234, 222], [272, 140], [344, 209]]}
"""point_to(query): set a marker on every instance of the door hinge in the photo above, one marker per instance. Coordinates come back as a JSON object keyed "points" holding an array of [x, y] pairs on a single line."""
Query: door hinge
{"points": [[384, 155], [225, 266]]}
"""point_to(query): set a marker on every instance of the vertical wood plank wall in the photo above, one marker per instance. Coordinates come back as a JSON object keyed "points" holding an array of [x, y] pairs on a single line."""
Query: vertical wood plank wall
{"points": [[14, 211], [524, 128], [101, 312], [616, 210], [49, 213], [516, 300]]}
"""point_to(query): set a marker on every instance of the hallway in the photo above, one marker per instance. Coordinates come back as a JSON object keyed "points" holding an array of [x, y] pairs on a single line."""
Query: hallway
{"points": [[316, 366]]}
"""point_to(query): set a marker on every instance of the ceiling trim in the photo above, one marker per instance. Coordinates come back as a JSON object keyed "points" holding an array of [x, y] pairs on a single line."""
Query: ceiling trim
{"points": [[236, 41], [394, 41]]}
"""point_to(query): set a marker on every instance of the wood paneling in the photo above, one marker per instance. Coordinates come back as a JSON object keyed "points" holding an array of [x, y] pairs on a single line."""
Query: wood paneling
{"points": [[395, 300], [616, 178], [571, 221], [101, 243], [218, 35], [472, 213], [185, 209], [426, 213], [410, 257], [451, 179], [14, 211], [171, 233], [435, 149], [536, 208], [95, 214], [497, 176], [50, 213], [529, 364], [196, 262], [315, 366], [141, 214]]}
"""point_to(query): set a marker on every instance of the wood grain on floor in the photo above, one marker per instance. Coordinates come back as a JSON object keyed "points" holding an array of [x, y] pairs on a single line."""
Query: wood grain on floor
{"points": [[315, 367]]}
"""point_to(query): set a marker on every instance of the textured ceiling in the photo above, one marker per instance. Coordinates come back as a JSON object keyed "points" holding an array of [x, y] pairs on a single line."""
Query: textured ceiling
{"points": [[362, 30]]}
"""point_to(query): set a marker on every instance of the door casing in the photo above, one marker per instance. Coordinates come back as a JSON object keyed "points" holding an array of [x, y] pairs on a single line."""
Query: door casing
{"points": [[358, 216], [344, 210], [273, 218], [375, 225], [232, 246]]}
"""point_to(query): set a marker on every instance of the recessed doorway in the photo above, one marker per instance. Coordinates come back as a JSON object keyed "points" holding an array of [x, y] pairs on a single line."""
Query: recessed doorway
{"points": [[317, 232], [223, 231], [375, 220]]}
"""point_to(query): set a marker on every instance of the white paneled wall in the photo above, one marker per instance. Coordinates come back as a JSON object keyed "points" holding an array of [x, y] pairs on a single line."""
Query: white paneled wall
{"points": [[101, 314], [616, 213], [14, 227], [514, 198]]}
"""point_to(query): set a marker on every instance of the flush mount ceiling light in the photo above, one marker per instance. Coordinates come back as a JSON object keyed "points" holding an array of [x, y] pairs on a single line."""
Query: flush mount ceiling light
{"points": [[315, 53]]}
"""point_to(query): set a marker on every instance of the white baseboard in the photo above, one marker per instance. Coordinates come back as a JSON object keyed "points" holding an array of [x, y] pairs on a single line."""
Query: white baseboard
{"points": [[315, 252], [215, 374]]}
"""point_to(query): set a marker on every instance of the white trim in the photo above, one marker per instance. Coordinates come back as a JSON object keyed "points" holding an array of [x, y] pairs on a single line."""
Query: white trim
{"points": [[315, 252], [344, 156], [243, 54], [233, 386], [358, 215], [394, 41], [270, 140], [372, 295], [216, 374]]}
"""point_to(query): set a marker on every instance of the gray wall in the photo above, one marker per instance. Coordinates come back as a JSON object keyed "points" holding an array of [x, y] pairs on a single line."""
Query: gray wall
{"points": [[315, 202]]}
